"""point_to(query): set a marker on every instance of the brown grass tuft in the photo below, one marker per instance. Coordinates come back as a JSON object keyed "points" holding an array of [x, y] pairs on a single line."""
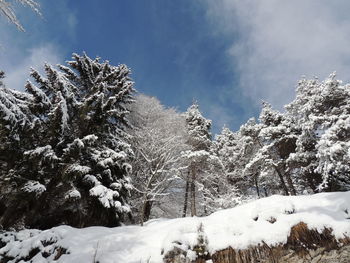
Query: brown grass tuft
{"points": [[300, 242]]}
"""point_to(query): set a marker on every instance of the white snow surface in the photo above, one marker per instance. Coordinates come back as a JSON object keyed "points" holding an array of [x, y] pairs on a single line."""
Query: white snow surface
{"points": [[238, 227]]}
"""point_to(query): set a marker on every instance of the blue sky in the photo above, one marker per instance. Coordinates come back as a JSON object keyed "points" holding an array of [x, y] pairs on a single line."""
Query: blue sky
{"points": [[227, 54]]}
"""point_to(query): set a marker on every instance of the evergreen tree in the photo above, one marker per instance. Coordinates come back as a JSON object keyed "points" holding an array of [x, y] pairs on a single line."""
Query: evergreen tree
{"points": [[226, 146], [320, 112], [236, 150], [248, 167], [203, 166], [226, 185], [199, 140], [71, 163], [278, 142]]}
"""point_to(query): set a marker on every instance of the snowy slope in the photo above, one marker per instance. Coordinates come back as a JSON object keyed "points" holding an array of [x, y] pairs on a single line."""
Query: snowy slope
{"points": [[249, 224]]}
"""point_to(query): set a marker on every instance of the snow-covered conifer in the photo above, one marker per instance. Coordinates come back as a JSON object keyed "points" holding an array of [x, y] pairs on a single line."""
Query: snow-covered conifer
{"points": [[203, 165], [321, 112], [247, 167], [72, 141], [278, 142], [227, 147]]}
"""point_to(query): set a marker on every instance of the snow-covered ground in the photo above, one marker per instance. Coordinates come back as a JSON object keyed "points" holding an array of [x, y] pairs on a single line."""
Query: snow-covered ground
{"points": [[248, 224]]}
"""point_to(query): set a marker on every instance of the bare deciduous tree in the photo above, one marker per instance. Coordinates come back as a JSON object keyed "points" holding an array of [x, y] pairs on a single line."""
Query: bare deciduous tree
{"points": [[6, 9]]}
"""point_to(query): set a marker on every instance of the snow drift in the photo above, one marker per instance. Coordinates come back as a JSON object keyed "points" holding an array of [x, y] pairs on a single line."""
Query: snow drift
{"points": [[265, 221]]}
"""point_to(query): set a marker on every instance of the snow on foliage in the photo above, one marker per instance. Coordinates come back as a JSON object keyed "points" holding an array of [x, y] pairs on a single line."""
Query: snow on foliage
{"points": [[34, 187], [44, 152], [334, 152], [70, 125], [239, 227], [207, 177], [302, 150], [77, 169], [321, 113], [73, 194], [105, 196], [158, 137], [13, 108], [92, 180]]}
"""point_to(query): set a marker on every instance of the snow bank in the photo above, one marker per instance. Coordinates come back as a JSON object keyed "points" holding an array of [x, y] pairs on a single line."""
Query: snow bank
{"points": [[266, 220]]}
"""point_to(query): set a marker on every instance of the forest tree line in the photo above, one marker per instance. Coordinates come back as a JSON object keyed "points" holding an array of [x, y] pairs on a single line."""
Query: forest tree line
{"points": [[79, 146]]}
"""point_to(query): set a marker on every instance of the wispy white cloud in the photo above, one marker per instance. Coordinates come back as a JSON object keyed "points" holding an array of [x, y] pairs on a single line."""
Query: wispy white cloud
{"points": [[219, 116], [67, 17], [20, 51], [18, 73], [275, 42]]}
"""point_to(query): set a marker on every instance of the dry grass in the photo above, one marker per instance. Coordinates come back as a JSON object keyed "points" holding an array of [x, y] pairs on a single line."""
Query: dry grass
{"points": [[299, 243]]}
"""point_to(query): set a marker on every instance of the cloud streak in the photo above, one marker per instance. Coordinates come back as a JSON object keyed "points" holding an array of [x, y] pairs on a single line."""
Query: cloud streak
{"points": [[42, 43], [275, 42], [38, 56]]}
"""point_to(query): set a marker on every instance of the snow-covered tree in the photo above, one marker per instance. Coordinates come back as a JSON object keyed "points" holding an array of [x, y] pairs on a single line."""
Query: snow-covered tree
{"points": [[71, 164], [333, 154], [235, 150], [320, 111], [278, 142], [15, 119], [199, 140], [158, 138], [203, 166], [6, 9], [303, 149], [247, 167], [304, 162], [227, 147]]}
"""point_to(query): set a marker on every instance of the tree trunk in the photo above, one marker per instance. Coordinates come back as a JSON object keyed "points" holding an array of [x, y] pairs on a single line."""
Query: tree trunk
{"points": [[131, 218], [186, 194], [146, 210], [193, 193], [205, 205], [290, 184], [284, 186], [265, 191], [256, 185], [310, 180]]}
